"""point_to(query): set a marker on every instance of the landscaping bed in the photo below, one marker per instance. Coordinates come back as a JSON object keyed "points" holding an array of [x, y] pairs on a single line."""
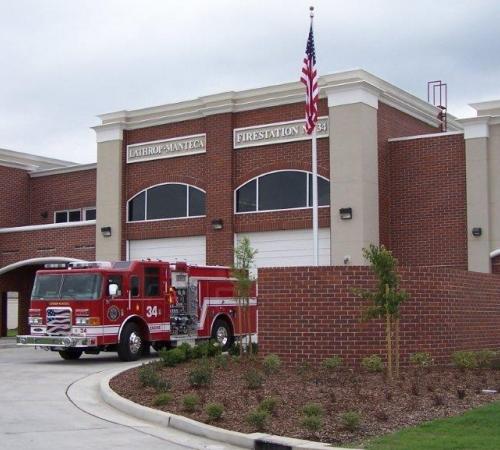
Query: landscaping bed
{"points": [[327, 404]]}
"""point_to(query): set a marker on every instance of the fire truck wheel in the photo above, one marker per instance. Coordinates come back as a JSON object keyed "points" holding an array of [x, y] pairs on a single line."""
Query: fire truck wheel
{"points": [[131, 343], [70, 354], [222, 334]]}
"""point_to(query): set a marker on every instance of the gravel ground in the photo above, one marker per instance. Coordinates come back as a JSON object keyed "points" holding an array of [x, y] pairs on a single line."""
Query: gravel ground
{"points": [[418, 396]]}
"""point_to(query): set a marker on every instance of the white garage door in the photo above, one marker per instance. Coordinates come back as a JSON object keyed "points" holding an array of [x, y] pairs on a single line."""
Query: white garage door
{"points": [[190, 249], [288, 248]]}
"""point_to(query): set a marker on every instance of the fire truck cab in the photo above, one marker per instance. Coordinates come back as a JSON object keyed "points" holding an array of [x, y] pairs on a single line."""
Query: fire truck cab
{"points": [[126, 306]]}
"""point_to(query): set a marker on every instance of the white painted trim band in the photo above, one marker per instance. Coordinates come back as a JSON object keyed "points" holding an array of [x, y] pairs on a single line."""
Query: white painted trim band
{"points": [[60, 170], [47, 226], [495, 253], [425, 136]]}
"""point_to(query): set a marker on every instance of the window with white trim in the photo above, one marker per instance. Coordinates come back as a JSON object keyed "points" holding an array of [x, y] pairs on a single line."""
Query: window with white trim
{"points": [[167, 201], [280, 190], [75, 215]]}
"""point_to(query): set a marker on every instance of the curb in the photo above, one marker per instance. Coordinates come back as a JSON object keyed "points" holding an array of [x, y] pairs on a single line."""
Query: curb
{"points": [[191, 426]]}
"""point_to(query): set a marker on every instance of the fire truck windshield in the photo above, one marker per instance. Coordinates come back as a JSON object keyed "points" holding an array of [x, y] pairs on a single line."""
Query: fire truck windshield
{"points": [[78, 286]]}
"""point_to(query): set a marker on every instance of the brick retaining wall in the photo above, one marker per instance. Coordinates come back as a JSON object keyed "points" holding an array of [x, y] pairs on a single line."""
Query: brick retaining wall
{"points": [[308, 313]]}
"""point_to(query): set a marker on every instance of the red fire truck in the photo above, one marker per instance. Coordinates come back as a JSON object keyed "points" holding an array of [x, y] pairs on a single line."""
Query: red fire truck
{"points": [[127, 306]]}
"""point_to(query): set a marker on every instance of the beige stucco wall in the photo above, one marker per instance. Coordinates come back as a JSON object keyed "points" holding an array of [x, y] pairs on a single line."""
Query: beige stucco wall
{"points": [[494, 185], [478, 211], [109, 199], [354, 180]]}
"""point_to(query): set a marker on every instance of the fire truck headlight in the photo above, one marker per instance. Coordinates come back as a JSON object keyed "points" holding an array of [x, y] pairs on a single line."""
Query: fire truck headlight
{"points": [[35, 320]]}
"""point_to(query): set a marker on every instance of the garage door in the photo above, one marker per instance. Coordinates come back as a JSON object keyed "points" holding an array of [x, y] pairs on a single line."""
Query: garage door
{"points": [[190, 249], [288, 248]]}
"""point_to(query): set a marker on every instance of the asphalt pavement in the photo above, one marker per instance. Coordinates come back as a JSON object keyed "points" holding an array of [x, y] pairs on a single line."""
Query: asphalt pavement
{"points": [[47, 402]]}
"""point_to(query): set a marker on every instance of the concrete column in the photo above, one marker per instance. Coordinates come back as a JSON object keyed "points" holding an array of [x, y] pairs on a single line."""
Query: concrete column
{"points": [[109, 191], [353, 170], [478, 211]]}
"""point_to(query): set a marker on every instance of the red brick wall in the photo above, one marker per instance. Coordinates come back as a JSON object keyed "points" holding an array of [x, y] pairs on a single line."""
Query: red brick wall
{"points": [[52, 193], [73, 242], [309, 313], [219, 172], [495, 265], [14, 197], [428, 216], [392, 123]]}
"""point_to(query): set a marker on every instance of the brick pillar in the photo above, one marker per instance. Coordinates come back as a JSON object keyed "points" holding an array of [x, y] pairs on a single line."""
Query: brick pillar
{"points": [[24, 289], [3, 314], [219, 188]]}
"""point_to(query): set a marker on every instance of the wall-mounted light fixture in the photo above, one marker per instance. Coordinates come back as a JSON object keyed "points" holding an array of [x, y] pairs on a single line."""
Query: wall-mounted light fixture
{"points": [[106, 231], [345, 213], [477, 231], [217, 224], [44, 214]]}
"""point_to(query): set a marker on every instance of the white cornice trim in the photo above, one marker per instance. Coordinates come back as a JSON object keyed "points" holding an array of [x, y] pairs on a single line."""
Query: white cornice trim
{"points": [[350, 93], [476, 127], [58, 171], [425, 136], [47, 226], [485, 106], [27, 161], [109, 132], [495, 253], [265, 97]]}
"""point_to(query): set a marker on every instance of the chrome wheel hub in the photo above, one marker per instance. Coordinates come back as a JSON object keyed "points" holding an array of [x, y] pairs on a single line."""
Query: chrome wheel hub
{"points": [[134, 343], [222, 336]]}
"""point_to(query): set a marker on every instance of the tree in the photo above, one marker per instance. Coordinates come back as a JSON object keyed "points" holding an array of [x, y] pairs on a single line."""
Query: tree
{"points": [[244, 256], [385, 300]]}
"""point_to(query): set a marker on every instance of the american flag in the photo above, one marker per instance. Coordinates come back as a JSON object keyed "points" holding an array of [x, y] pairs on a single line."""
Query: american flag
{"points": [[310, 78]]}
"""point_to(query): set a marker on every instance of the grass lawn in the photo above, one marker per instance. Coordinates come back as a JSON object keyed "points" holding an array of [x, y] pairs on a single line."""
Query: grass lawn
{"points": [[476, 429], [12, 333]]}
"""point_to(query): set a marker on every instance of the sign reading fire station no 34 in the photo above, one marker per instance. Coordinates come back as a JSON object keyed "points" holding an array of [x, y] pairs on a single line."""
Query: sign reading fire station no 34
{"points": [[167, 148]]}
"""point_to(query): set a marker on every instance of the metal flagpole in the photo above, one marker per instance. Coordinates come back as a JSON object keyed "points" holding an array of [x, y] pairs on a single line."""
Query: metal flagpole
{"points": [[315, 199]]}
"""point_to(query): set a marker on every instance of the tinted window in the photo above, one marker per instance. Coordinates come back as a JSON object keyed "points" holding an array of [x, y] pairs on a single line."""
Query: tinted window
{"points": [[90, 214], [137, 207], [323, 192], [116, 279], [46, 287], [81, 287], [61, 216], [151, 282], [167, 201], [282, 190], [134, 286], [196, 202], [246, 197], [74, 216]]}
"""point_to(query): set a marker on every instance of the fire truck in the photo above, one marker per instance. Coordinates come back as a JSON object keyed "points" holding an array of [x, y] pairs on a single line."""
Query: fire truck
{"points": [[127, 306]]}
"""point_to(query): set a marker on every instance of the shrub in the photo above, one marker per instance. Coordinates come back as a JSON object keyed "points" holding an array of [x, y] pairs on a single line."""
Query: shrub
{"points": [[214, 411], [312, 409], [162, 399], [271, 363], [351, 420], [206, 349], [172, 357], [187, 350], [234, 350], [190, 402], [258, 418], [332, 363], [373, 363], [421, 359], [200, 376], [254, 379], [148, 375], [464, 360], [484, 358], [312, 423], [268, 404], [222, 361]]}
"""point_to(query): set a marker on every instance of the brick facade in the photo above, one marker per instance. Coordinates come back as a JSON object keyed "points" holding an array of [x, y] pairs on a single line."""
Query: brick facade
{"points": [[308, 313], [14, 197], [428, 201]]}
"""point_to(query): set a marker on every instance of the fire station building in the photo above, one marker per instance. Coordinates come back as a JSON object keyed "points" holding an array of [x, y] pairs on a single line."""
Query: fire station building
{"points": [[185, 181]]}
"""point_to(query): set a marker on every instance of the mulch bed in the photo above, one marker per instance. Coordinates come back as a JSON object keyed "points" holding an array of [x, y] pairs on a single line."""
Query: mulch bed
{"points": [[418, 396]]}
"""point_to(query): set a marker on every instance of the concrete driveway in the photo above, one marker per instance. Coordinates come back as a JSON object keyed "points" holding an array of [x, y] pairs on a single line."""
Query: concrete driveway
{"points": [[47, 403]]}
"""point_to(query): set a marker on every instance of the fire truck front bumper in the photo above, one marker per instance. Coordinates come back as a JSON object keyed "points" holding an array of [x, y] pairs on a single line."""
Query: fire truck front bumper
{"points": [[56, 341]]}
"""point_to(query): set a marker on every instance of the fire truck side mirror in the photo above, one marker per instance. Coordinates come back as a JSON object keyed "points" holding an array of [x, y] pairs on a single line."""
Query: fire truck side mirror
{"points": [[112, 289]]}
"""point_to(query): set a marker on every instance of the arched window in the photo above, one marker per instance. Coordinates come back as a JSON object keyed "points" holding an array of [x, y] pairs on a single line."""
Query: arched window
{"points": [[167, 201], [284, 189]]}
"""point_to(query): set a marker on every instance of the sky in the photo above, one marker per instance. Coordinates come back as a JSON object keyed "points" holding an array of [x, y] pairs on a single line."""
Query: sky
{"points": [[63, 62]]}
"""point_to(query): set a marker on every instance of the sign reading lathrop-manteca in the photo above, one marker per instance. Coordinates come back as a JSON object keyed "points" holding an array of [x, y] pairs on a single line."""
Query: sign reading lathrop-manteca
{"points": [[168, 148], [275, 133]]}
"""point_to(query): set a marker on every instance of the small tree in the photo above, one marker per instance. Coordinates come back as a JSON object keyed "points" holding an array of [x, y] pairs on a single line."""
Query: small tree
{"points": [[244, 256], [385, 300]]}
